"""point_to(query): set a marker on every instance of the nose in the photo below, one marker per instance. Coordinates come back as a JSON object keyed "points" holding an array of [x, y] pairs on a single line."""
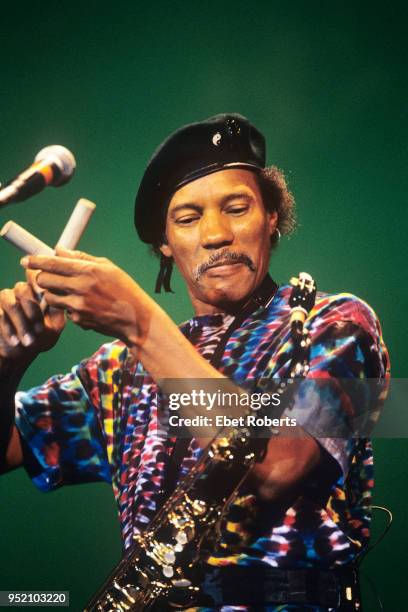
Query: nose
{"points": [[215, 230]]}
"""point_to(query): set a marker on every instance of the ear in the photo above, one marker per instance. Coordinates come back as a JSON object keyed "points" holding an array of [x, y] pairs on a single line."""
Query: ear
{"points": [[166, 250], [273, 222]]}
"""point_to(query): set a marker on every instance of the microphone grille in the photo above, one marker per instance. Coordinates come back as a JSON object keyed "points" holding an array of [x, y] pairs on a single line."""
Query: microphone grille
{"points": [[62, 158]]}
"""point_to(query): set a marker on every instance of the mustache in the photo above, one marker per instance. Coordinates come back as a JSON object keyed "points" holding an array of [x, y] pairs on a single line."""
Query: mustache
{"points": [[224, 257]]}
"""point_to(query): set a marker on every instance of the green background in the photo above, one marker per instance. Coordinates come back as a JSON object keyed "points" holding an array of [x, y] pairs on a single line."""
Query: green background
{"points": [[325, 82]]}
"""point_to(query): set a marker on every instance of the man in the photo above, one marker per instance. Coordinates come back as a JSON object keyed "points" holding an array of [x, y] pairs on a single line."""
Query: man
{"points": [[207, 203]]}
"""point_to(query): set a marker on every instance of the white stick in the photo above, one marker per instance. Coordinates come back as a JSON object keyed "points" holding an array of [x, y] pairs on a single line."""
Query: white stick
{"points": [[76, 224], [30, 245], [23, 240]]}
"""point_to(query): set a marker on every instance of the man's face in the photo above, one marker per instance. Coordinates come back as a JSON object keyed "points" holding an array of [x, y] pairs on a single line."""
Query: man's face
{"points": [[218, 233]]}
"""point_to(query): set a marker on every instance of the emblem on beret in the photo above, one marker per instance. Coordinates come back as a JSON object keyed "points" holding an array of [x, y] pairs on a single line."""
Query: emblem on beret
{"points": [[216, 139], [233, 128]]}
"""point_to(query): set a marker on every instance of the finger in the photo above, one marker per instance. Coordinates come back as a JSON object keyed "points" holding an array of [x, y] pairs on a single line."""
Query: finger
{"points": [[57, 283], [55, 265], [78, 319], [54, 317], [7, 331], [58, 301], [68, 254], [30, 305], [23, 328], [73, 316], [31, 276]]}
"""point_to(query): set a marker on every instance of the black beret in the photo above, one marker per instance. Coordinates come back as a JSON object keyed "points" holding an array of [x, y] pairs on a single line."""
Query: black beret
{"points": [[197, 149]]}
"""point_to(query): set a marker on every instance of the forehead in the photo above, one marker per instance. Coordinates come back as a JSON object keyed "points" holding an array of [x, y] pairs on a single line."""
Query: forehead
{"points": [[216, 186]]}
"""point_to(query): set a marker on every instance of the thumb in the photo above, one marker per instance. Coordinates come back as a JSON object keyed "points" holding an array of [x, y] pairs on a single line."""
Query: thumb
{"points": [[74, 254], [54, 318], [31, 277]]}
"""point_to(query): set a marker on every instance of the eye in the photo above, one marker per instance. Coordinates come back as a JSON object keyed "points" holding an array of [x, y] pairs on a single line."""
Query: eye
{"points": [[237, 209], [186, 219]]}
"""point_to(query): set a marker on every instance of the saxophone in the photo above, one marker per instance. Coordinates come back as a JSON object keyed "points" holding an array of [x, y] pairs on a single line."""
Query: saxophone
{"points": [[162, 568]]}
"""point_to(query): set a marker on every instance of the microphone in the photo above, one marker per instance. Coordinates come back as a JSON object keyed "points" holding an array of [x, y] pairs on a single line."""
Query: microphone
{"points": [[53, 165]]}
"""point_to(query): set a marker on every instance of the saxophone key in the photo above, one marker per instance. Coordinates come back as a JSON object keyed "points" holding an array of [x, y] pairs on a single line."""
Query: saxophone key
{"points": [[181, 583], [181, 537], [170, 557]]}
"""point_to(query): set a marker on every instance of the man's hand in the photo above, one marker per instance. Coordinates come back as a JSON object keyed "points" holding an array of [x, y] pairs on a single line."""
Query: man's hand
{"points": [[95, 293], [25, 330]]}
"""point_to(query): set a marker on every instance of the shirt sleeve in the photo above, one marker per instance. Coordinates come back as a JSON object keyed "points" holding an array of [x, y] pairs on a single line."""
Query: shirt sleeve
{"points": [[348, 376], [66, 424]]}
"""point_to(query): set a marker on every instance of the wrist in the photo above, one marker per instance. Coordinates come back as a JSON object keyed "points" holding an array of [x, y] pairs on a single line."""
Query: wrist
{"points": [[140, 324], [13, 369]]}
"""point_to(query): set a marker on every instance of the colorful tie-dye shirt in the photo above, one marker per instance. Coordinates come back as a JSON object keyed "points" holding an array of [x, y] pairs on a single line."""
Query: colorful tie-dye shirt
{"points": [[99, 422]]}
